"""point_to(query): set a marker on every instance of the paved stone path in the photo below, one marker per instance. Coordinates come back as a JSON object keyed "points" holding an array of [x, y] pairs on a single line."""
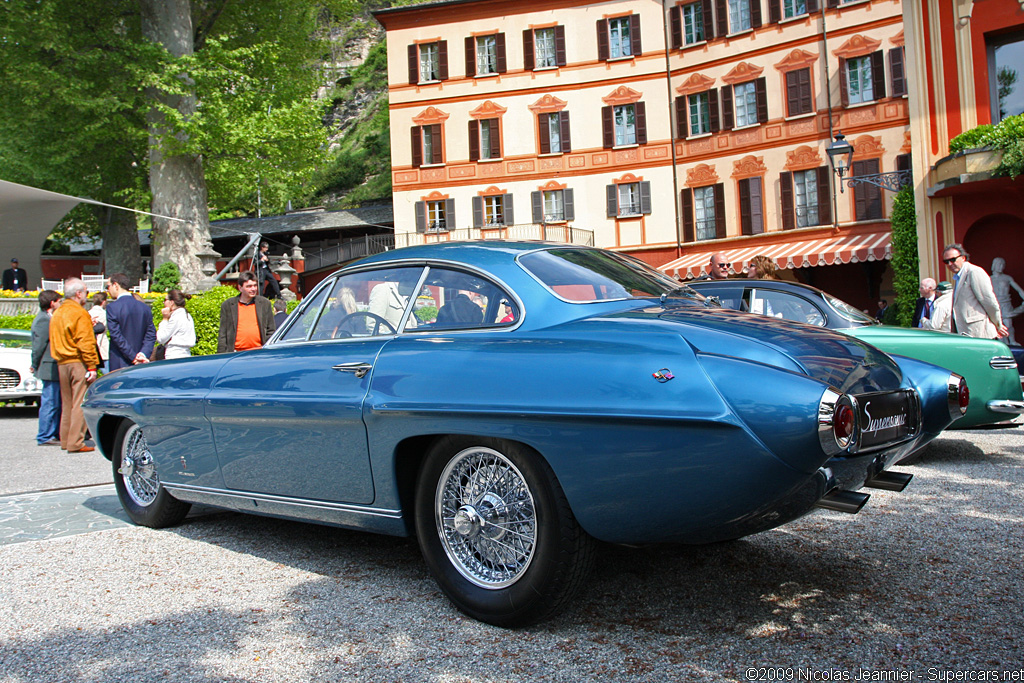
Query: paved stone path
{"points": [[52, 514]]}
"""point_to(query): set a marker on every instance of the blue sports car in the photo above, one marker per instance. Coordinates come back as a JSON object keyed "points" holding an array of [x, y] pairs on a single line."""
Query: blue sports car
{"points": [[508, 404]]}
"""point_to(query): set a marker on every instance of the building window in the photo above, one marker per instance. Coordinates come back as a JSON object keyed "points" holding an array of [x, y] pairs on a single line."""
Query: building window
{"points": [[793, 8], [751, 206], [427, 146], [897, 71], [492, 211], [1006, 55], [428, 62], [553, 206], [484, 140], [693, 23], [798, 92], [629, 199], [805, 198], [739, 15], [704, 212], [746, 104], [700, 118], [863, 79], [618, 37], [435, 215], [485, 55], [554, 132], [867, 198], [624, 125], [544, 48]]}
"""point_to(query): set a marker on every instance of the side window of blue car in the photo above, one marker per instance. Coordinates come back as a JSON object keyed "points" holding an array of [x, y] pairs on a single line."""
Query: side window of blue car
{"points": [[785, 305], [457, 300], [301, 324], [368, 303]]}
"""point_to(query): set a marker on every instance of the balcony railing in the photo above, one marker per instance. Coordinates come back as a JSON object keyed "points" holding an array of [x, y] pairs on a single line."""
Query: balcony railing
{"points": [[357, 247], [527, 232]]}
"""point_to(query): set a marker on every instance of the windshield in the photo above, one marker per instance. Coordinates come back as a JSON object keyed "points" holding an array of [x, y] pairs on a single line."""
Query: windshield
{"points": [[587, 275], [848, 312]]}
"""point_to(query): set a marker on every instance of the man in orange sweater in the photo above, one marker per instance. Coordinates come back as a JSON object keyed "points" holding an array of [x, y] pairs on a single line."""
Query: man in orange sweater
{"points": [[73, 346]]}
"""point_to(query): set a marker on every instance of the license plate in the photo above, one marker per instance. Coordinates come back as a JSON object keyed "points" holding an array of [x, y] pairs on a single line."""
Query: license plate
{"points": [[886, 417]]}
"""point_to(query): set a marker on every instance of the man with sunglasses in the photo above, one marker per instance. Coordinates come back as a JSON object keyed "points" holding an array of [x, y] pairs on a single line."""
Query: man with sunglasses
{"points": [[718, 268], [975, 308]]}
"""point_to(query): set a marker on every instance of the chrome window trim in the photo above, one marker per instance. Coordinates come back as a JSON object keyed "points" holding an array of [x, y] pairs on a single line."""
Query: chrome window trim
{"points": [[573, 301]]}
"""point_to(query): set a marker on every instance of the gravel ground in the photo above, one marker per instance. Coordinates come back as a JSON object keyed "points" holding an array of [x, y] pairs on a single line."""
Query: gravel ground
{"points": [[926, 581]]}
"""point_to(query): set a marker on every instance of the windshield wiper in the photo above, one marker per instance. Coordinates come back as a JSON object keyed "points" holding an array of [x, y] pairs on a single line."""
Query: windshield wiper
{"points": [[678, 291]]}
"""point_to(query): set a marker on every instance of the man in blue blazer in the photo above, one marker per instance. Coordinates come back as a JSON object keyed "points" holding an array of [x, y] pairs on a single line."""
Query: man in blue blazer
{"points": [[130, 322]]}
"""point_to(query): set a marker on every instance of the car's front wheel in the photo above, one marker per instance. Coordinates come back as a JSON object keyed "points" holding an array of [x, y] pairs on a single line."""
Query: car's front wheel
{"points": [[497, 532], [137, 482]]}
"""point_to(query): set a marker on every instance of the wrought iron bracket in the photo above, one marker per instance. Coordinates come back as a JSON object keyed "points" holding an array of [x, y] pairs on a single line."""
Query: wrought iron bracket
{"points": [[892, 181]]}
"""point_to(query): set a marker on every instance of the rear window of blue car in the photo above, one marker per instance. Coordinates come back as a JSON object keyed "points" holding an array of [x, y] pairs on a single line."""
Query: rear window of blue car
{"points": [[587, 275]]}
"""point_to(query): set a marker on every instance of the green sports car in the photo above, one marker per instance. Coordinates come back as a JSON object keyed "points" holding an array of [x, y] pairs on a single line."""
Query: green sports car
{"points": [[988, 365]]}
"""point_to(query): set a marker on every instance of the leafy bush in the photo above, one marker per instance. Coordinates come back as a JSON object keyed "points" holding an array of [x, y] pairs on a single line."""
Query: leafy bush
{"points": [[1007, 135], [166, 277], [905, 262], [21, 321], [205, 311], [426, 313]]}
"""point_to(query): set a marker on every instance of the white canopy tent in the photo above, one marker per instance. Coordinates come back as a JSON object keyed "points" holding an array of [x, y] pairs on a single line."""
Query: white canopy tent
{"points": [[27, 217]]}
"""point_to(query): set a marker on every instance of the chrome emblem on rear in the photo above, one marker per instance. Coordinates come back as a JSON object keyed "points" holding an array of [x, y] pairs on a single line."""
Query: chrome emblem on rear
{"points": [[663, 375]]}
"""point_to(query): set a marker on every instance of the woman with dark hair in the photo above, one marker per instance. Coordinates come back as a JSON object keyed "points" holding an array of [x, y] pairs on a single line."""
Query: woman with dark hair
{"points": [[177, 331]]}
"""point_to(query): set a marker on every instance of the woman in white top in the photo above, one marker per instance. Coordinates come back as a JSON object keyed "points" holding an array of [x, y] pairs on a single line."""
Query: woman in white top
{"points": [[98, 314], [177, 331]]}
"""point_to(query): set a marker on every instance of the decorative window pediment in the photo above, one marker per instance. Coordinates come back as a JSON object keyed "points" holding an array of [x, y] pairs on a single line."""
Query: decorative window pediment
{"points": [[430, 116], [867, 147], [701, 175], [552, 185], [622, 95], [492, 191], [748, 167], [547, 105], [897, 39], [742, 72], [803, 158], [488, 110], [857, 46], [797, 59], [695, 83], [434, 197], [627, 179]]}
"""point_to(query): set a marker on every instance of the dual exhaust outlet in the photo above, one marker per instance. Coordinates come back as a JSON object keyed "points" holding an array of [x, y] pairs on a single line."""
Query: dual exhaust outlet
{"points": [[850, 502]]}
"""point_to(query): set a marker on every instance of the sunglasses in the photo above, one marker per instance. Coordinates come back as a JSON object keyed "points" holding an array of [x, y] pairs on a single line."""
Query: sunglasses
{"points": [[723, 265], [951, 261]]}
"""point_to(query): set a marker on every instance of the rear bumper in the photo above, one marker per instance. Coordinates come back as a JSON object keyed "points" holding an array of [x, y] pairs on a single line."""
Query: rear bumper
{"points": [[1006, 406]]}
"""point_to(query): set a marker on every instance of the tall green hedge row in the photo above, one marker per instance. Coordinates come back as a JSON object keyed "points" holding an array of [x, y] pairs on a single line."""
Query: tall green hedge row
{"points": [[905, 262]]}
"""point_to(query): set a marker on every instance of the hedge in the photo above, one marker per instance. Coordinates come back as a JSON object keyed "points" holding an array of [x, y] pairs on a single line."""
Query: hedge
{"points": [[905, 262]]}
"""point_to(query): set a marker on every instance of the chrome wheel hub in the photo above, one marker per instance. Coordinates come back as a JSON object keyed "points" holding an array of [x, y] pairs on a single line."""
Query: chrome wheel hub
{"points": [[486, 518], [138, 471]]}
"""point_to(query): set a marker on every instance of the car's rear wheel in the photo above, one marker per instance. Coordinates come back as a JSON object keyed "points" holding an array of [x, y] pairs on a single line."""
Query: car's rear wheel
{"points": [[137, 481], [497, 532]]}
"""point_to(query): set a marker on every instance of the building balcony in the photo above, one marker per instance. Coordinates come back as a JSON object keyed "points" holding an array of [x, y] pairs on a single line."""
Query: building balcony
{"points": [[952, 174]]}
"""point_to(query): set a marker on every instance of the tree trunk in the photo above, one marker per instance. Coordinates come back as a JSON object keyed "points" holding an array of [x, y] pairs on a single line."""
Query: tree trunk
{"points": [[177, 182], [121, 252]]}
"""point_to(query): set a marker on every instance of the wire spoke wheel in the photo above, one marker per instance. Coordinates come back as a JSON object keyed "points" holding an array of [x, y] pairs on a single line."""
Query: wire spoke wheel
{"points": [[486, 517], [141, 482], [137, 480]]}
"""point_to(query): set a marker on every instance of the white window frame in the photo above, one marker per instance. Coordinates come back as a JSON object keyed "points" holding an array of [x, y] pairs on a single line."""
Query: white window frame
{"points": [[436, 219], [485, 131], [494, 211], [793, 8], [745, 102], [693, 23], [554, 133], [486, 55], [625, 125], [805, 198], [859, 86], [544, 50], [704, 213], [554, 206], [430, 62], [739, 16], [620, 42], [629, 199], [428, 142], [699, 108]]}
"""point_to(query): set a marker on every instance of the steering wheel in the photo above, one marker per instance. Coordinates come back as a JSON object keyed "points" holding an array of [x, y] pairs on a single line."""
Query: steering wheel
{"points": [[363, 314]]}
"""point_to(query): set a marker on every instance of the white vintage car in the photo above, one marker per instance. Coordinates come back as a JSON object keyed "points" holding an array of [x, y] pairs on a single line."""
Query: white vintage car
{"points": [[17, 384]]}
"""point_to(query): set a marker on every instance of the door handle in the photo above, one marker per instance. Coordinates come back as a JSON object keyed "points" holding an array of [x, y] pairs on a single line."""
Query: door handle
{"points": [[359, 369]]}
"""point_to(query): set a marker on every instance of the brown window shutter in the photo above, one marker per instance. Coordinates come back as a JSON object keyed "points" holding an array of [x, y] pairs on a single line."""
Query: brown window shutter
{"points": [[641, 123], [528, 63], [774, 11], [417, 147], [786, 187], [563, 121], [474, 140], [612, 200], [728, 113], [824, 196], [806, 102], [421, 216], [793, 93], [545, 136], [470, 57], [602, 39], [687, 199], [495, 138], [506, 210], [713, 110], [438, 156], [755, 13], [833, 3], [675, 16], [608, 126], [635, 46], [721, 18], [442, 59], [812, 6], [744, 188], [682, 116], [414, 65], [478, 212], [860, 194], [720, 211], [499, 48], [844, 90], [537, 204], [569, 205], [878, 75], [707, 17], [756, 206], [761, 90], [899, 80], [902, 162], [560, 45]]}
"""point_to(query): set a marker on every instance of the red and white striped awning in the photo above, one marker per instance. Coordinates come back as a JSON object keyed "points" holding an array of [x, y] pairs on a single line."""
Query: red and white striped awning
{"points": [[827, 251]]}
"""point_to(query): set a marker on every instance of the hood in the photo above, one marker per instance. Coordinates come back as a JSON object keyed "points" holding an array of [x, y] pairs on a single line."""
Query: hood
{"points": [[836, 359]]}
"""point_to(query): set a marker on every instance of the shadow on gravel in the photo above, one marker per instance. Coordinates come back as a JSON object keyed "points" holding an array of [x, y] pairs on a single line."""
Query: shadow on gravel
{"points": [[12, 412], [949, 449]]}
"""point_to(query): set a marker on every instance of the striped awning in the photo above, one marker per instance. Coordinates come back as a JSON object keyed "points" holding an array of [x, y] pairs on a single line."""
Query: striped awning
{"points": [[826, 251]]}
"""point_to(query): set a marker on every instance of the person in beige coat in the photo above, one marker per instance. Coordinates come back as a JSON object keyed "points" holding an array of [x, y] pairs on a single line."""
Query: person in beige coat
{"points": [[975, 308]]}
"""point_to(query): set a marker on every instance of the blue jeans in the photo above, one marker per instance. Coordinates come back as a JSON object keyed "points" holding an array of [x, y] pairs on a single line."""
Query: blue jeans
{"points": [[49, 413]]}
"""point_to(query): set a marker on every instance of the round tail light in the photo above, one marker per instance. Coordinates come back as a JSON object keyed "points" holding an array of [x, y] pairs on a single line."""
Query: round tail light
{"points": [[957, 395], [842, 424], [963, 395]]}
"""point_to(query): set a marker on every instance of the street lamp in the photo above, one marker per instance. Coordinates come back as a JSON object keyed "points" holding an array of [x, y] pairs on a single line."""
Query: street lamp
{"points": [[840, 157]]}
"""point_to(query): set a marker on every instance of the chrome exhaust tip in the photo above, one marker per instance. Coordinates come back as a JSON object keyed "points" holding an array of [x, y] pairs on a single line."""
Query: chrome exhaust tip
{"points": [[839, 500], [889, 481]]}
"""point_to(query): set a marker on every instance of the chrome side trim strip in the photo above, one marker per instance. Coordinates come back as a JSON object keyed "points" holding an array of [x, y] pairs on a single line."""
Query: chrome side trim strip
{"points": [[1003, 363], [284, 500], [1006, 406]]}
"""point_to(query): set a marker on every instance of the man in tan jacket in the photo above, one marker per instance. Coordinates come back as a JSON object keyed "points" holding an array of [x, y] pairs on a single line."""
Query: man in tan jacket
{"points": [[975, 307], [73, 346]]}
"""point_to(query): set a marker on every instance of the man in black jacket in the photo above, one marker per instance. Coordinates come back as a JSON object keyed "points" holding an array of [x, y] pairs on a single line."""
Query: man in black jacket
{"points": [[15, 278], [246, 320]]}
